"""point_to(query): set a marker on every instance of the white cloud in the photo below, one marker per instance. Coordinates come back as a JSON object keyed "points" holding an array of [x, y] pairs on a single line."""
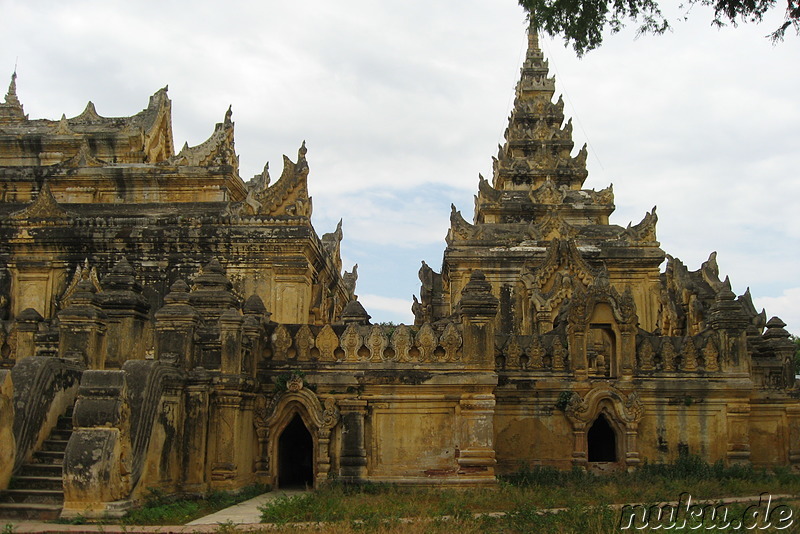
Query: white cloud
{"points": [[398, 309], [786, 306], [410, 100]]}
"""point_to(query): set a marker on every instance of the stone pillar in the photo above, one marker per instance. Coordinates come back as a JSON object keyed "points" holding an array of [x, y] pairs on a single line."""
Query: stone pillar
{"points": [[777, 340], [97, 461], [577, 354], [176, 323], [738, 433], [230, 333], [632, 459], [195, 432], [580, 456], [478, 311], [793, 423], [627, 351], [27, 326], [544, 321], [256, 317], [127, 310], [476, 436], [226, 429], [353, 461], [211, 296], [82, 327], [730, 323], [8, 445]]}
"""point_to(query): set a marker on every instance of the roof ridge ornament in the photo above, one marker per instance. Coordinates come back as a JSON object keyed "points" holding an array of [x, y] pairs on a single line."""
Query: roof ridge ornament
{"points": [[12, 108], [63, 126], [89, 114], [11, 95]]}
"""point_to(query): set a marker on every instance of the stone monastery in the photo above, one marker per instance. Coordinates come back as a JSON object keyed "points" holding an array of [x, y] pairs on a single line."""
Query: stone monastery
{"points": [[164, 324]]}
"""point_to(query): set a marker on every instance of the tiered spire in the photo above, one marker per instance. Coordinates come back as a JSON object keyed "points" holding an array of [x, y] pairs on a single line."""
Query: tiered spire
{"points": [[537, 147], [12, 110]]}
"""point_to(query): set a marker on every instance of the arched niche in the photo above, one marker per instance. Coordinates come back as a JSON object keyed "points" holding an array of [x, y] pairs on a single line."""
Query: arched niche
{"points": [[621, 413], [601, 332], [602, 342], [273, 419], [542, 290]]}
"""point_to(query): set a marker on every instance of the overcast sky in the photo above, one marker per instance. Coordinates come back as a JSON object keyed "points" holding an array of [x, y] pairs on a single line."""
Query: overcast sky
{"points": [[403, 103]]}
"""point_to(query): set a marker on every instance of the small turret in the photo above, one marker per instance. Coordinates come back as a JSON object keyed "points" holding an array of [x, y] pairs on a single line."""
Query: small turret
{"points": [[11, 110]]}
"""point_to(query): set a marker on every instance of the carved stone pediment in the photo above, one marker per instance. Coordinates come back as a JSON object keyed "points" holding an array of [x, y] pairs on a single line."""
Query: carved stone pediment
{"points": [[88, 115], [287, 196], [84, 158], [486, 193], [604, 197], [584, 302], [552, 226], [44, 207], [627, 409], [548, 193], [645, 231], [562, 257], [217, 150], [82, 272], [460, 229]]}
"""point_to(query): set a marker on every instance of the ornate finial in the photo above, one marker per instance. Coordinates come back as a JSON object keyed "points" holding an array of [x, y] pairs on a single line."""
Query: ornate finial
{"points": [[12, 87], [228, 115], [11, 95], [301, 154], [533, 36]]}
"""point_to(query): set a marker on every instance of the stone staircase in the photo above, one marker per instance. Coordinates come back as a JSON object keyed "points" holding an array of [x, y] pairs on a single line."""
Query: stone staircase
{"points": [[37, 492]]}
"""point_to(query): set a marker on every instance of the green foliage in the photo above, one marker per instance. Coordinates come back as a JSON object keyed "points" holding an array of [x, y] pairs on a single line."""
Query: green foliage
{"points": [[796, 341], [540, 475], [534, 499], [528, 518], [582, 22], [160, 508], [563, 400], [228, 527], [8, 528], [281, 380]]}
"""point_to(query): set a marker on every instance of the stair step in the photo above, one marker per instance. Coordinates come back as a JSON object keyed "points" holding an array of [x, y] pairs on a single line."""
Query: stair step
{"points": [[61, 434], [10, 510], [49, 457], [41, 470], [55, 445], [64, 423], [33, 496], [45, 483]]}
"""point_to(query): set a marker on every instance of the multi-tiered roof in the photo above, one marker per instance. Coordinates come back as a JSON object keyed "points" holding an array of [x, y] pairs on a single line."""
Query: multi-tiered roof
{"points": [[536, 203]]}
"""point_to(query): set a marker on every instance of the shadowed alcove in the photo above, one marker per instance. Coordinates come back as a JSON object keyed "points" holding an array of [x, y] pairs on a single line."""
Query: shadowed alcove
{"points": [[601, 441], [295, 456]]}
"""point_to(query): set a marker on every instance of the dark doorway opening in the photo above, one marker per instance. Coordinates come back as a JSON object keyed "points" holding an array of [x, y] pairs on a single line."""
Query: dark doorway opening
{"points": [[295, 456], [602, 442]]}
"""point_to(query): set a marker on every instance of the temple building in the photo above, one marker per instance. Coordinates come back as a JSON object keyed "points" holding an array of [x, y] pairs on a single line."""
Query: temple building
{"points": [[165, 324]]}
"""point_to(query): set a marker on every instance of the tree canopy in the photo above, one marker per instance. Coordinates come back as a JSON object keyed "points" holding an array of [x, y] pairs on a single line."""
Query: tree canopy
{"points": [[581, 22]]}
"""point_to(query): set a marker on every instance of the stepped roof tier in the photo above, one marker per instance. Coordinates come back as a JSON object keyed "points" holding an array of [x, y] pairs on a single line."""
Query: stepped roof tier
{"points": [[535, 210], [94, 187]]}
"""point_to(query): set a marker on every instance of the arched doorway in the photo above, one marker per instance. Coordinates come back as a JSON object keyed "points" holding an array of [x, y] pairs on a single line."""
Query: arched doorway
{"points": [[601, 441], [295, 455]]}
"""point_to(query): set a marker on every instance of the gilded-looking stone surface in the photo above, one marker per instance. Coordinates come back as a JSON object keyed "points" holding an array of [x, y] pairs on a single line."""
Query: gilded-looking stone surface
{"points": [[172, 326]]}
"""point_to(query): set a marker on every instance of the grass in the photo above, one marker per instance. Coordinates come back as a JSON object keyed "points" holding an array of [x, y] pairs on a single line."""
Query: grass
{"points": [[523, 496], [162, 509]]}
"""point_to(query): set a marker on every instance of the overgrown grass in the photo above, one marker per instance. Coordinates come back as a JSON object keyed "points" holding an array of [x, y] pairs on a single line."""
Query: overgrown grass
{"points": [[162, 509], [650, 483], [523, 497]]}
